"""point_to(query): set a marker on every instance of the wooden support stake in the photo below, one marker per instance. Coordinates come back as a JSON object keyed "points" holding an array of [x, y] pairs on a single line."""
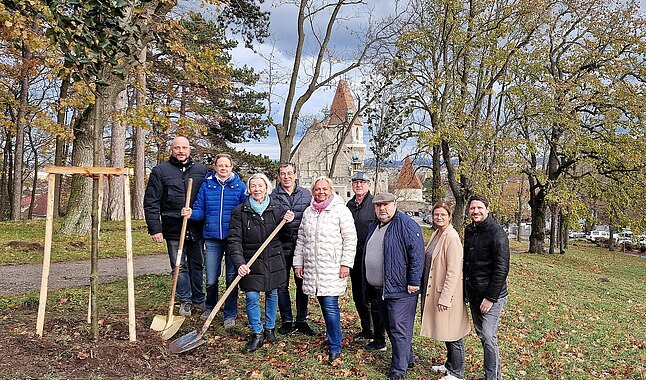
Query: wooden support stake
{"points": [[42, 302], [130, 268]]}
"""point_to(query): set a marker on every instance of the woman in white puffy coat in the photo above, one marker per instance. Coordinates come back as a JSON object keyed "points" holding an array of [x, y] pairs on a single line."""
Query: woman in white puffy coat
{"points": [[325, 249]]}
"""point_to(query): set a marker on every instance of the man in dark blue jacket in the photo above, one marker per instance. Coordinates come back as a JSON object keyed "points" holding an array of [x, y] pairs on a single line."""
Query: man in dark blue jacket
{"points": [[297, 199], [393, 267], [486, 265], [163, 201]]}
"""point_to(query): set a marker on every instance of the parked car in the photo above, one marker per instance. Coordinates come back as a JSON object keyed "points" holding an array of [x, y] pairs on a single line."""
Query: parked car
{"points": [[623, 240], [576, 235], [594, 235]]}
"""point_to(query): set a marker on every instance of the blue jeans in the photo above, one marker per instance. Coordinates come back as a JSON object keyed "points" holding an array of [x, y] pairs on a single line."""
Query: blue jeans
{"points": [[284, 301], [190, 286], [214, 252], [332, 316], [253, 310], [486, 326]]}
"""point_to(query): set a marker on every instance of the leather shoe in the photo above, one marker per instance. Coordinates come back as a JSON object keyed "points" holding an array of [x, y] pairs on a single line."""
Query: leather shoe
{"points": [[255, 342], [333, 356], [286, 328], [304, 328], [363, 335], [270, 336]]}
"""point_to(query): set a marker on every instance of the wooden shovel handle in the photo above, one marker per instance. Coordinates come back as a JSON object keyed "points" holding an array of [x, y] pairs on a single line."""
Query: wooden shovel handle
{"points": [[180, 248], [217, 307]]}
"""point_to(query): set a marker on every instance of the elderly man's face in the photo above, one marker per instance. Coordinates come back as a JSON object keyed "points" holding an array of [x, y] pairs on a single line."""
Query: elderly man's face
{"points": [[385, 211]]}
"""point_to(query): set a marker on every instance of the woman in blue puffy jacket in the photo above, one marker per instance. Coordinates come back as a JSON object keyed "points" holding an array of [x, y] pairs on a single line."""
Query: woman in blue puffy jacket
{"points": [[221, 191]]}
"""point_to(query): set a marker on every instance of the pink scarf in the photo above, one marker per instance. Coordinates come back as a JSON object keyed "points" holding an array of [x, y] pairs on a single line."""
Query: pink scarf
{"points": [[320, 206]]}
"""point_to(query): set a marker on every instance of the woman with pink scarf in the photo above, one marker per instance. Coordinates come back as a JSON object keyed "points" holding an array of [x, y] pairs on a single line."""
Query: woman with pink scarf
{"points": [[324, 254]]}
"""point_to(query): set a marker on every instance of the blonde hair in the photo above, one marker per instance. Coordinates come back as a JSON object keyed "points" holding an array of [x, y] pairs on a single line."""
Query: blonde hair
{"points": [[322, 178], [261, 176]]}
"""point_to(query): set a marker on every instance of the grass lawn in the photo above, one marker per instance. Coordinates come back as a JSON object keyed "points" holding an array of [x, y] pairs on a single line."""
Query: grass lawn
{"points": [[573, 316], [23, 242]]}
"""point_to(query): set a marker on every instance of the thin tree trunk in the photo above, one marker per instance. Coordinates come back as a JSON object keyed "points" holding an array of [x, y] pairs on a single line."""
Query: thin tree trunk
{"points": [[519, 214], [553, 227], [61, 145], [117, 158], [16, 195], [436, 184], [138, 146]]}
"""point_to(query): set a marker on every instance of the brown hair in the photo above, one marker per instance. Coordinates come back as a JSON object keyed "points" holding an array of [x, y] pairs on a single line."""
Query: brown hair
{"points": [[223, 155], [445, 205], [478, 197]]}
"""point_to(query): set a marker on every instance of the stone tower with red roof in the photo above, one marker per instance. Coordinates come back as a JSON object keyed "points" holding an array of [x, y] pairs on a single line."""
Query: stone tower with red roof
{"points": [[314, 153]]}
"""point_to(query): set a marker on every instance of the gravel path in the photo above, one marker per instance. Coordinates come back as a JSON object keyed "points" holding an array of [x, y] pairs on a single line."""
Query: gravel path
{"points": [[19, 279]]}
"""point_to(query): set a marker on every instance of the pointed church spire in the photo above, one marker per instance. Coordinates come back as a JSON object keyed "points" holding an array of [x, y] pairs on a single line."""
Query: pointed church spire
{"points": [[407, 178], [343, 107]]}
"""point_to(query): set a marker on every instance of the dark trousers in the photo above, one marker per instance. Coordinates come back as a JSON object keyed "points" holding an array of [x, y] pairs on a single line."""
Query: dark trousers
{"points": [[360, 303], [399, 323], [284, 300], [377, 312]]}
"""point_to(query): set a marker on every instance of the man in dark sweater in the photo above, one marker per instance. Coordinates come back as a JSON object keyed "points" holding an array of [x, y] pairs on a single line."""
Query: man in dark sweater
{"points": [[363, 213], [486, 265], [163, 201], [297, 199]]}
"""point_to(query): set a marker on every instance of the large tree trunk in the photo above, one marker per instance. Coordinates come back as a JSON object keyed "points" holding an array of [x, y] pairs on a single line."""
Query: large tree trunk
{"points": [[139, 147], [20, 136], [117, 158], [436, 185], [78, 220], [5, 178], [538, 208], [553, 227]]}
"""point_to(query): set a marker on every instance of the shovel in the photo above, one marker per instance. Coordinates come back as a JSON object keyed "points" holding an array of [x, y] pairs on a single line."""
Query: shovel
{"points": [[194, 339], [168, 325]]}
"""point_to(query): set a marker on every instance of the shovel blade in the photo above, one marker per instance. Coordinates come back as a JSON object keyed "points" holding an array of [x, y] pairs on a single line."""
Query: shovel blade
{"points": [[167, 326], [187, 342]]}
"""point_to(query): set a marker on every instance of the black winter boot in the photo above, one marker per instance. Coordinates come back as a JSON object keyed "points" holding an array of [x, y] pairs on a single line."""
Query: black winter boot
{"points": [[255, 342], [270, 335]]}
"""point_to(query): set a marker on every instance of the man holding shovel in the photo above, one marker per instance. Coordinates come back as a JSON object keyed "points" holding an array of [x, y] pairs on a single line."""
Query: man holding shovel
{"points": [[163, 202]]}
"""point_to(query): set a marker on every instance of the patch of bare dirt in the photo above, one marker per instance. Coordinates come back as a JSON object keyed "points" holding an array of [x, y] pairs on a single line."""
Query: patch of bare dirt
{"points": [[25, 246], [67, 350]]}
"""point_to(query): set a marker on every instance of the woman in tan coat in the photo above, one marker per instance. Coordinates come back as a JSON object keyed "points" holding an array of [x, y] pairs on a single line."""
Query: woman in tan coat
{"points": [[444, 313]]}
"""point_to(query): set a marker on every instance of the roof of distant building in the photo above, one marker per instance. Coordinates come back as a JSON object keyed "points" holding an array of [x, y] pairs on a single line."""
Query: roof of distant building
{"points": [[343, 107], [407, 178]]}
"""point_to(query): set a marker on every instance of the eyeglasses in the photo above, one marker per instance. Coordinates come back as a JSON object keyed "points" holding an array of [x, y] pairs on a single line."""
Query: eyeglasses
{"points": [[443, 216]]}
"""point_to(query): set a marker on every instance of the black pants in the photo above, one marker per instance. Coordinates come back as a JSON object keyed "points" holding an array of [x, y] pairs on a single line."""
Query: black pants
{"points": [[377, 311], [362, 305]]}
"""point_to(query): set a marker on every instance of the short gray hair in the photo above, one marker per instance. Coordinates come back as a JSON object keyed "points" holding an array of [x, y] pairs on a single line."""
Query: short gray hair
{"points": [[322, 178], [261, 176]]}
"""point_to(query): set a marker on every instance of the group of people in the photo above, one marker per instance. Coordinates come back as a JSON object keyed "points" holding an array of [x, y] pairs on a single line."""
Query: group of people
{"points": [[326, 241]]}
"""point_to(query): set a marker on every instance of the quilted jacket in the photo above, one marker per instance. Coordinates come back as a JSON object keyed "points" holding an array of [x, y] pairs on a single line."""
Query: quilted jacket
{"points": [[326, 240]]}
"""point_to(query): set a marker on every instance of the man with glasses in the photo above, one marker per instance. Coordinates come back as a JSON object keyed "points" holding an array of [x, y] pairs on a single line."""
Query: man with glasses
{"points": [[163, 201], [363, 213], [297, 199]]}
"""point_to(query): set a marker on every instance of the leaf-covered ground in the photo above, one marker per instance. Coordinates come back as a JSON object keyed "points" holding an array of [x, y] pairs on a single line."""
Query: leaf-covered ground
{"points": [[573, 316]]}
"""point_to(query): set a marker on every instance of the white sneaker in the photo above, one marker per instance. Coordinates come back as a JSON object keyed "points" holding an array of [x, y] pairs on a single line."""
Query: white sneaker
{"points": [[450, 377], [439, 368]]}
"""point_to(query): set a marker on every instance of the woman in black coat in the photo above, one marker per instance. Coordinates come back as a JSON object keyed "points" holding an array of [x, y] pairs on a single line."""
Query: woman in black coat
{"points": [[251, 223]]}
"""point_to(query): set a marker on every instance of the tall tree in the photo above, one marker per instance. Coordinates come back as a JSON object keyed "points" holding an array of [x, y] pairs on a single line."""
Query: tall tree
{"points": [[582, 84]]}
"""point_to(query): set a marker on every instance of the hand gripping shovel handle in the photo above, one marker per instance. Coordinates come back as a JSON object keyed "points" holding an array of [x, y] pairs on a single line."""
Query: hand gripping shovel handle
{"points": [[180, 248], [217, 307]]}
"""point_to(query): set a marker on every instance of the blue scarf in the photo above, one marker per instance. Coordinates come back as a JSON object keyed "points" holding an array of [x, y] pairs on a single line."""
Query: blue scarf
{"points": [[259, 208]]}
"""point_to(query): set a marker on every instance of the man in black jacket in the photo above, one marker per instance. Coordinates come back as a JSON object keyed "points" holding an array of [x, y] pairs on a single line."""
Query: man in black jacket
{"points": [[486, 265], [363, 212], [297, 199], [163, 202]]}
